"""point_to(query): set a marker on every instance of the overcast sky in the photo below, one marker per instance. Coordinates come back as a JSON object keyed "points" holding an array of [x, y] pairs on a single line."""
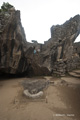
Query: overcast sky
{"points": [[38, 16]]}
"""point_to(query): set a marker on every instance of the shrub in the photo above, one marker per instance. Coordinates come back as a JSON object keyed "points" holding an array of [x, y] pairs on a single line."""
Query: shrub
{"points": [[5, 7]]}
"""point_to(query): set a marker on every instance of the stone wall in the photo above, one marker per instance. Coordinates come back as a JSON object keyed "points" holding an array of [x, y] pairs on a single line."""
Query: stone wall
{"points": [[62, 67], [76, 47]]}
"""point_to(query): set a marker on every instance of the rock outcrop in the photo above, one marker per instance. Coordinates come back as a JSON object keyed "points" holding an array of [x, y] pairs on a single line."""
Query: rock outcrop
{"points": [[12, 42], [64, 35], [14, 49], [58, 52], [58, 55]]}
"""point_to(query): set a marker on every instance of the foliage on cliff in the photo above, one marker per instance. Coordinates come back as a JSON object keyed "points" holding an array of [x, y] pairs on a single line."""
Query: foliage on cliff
{"points": [[5, 7]]}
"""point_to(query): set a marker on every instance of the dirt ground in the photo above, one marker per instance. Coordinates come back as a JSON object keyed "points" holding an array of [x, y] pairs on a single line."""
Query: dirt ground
{"points": [[60, 101]]}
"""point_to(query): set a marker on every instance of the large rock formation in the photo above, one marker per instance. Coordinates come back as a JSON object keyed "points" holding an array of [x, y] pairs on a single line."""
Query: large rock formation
{"points": [[58, 53], [14, 57], [12, 42], [64, 35]]}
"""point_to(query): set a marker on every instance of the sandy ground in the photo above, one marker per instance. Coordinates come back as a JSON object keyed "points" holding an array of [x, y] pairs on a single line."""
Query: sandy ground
{"points": [[60, 102]]}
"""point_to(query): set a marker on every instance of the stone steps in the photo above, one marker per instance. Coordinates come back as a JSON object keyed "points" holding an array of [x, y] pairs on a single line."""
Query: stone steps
{"points": [[75, 73]]}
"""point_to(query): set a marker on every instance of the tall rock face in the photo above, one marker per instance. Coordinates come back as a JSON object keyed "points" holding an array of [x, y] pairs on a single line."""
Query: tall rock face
{"points": [[16, 56], [58, 51], [65, 35], [59, 54], [12, 43]]}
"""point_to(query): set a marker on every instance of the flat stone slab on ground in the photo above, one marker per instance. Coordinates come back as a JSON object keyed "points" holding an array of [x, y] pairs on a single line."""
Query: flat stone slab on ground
{"points": [[71, 80]]}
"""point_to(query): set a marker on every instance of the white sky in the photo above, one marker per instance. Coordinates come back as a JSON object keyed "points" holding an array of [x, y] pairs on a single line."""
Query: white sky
{"points": [[38, 16]]}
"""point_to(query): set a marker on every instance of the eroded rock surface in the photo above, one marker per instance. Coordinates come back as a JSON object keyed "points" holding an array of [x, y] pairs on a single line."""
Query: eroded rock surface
{"points": [[58, 55], [58, 52], [12, 43], [15, 57]]}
